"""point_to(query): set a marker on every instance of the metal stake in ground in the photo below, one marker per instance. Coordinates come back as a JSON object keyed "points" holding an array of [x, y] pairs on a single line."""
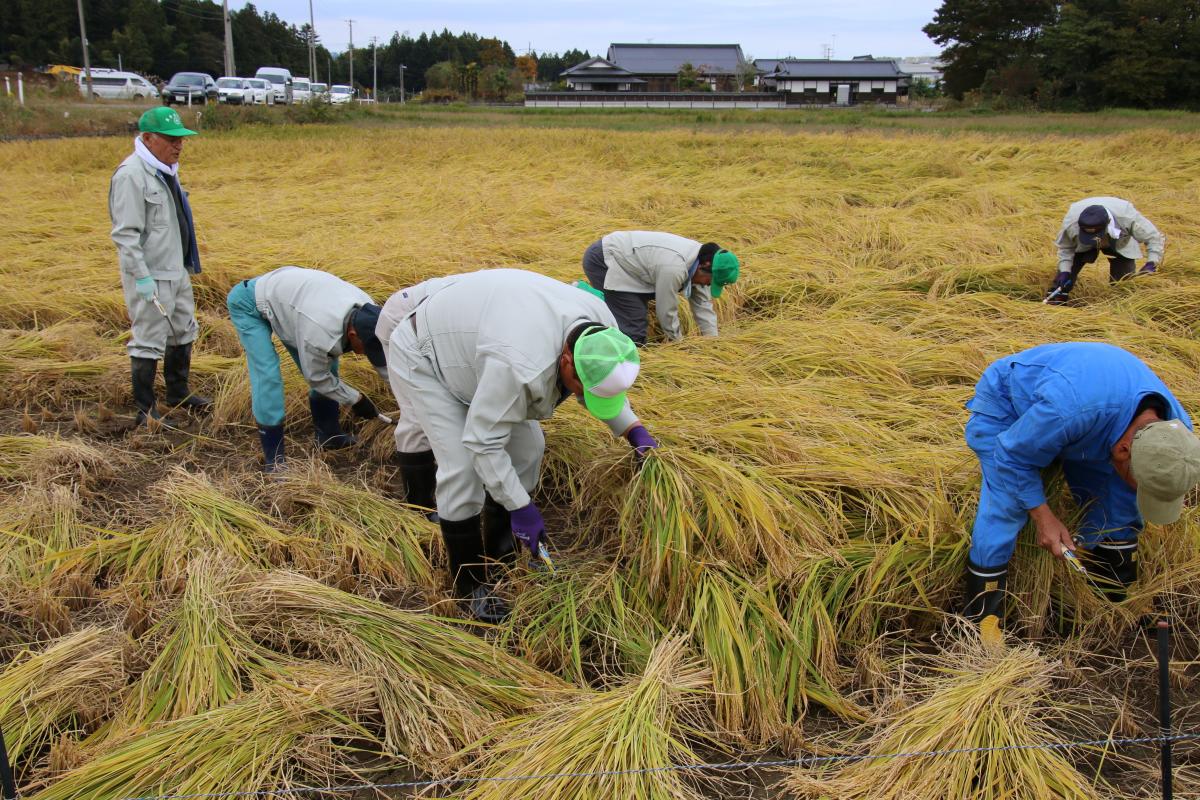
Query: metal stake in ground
{"points": [[8, 786], [1164, 704]]}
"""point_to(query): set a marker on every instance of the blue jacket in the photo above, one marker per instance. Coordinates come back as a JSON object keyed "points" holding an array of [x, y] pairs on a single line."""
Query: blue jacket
{"points": [[1069, 401]]}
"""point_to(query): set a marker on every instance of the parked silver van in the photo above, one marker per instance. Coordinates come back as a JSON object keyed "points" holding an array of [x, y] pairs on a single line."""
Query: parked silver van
{"points": [[281, 80], [112, 84]]}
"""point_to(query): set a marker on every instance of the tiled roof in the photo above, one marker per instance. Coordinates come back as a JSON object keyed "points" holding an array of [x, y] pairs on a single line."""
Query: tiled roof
{"points": [[665, 59]]}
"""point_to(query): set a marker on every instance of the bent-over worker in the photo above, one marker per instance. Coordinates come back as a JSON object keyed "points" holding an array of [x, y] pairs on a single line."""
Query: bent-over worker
{"points": [[318, 317], [1127, 452], [1107, 225], [479, 361], [632, 268]]}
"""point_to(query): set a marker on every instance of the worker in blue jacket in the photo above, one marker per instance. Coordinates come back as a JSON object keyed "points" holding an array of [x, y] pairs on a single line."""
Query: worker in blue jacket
{"points": [[1127, 451]]}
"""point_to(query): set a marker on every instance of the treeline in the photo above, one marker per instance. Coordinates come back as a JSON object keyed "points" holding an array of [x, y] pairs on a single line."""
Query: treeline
{"points": [[162, 38], [1085, 54]]}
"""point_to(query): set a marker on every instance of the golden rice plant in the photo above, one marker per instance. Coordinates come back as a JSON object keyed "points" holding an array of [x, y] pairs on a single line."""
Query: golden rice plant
{"points": [[198, 515], [583, 621], [647, 723], [34, 533], [67, 686], [202, 658], [356, 533], [684, 507], [437, 686], [284, 733], [47, 459], [990, 707]]}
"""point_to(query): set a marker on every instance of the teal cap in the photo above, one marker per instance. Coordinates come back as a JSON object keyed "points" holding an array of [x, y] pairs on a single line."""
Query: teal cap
{"points": [[725, 269]]}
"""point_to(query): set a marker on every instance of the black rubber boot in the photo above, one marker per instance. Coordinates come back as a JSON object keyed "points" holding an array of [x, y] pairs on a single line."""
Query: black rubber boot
{"points": [[985, 602], [271, 438], [177, 367], [499, 545], [142, 371], [1113, 567], [419, 473], [326, 425], [464, 549]]}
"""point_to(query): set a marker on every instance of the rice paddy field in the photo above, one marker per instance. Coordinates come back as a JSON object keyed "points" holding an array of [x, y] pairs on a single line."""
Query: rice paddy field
{"points": [[779, 580]]}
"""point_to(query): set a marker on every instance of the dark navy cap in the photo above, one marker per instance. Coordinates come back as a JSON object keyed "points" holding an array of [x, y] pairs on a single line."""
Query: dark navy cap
{"points": [[1095, 217], [363, 321]]}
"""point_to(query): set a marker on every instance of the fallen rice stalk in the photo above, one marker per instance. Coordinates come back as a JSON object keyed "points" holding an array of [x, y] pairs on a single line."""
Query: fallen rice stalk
{"points": [[644, 724]]}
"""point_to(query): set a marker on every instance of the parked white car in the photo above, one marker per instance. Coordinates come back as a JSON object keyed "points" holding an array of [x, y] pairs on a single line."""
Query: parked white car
{"points": [[339, 93], [235, 90], [111, 84], [281, 81], [301, 90], [320, 91], [262, 93]]}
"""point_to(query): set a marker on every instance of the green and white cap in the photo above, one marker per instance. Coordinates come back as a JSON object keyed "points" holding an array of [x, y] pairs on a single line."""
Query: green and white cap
{"points": [[607, 364], [1165, 461], [164, 120]]}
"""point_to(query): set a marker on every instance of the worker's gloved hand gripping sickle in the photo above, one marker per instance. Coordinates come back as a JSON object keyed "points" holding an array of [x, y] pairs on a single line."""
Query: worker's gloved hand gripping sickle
{"points": [[529, 527], [640, 440], [145, 287], [365, 409]]}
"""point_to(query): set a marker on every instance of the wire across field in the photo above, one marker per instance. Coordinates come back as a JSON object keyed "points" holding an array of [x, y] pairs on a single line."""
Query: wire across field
{"points": [[773, 585]]}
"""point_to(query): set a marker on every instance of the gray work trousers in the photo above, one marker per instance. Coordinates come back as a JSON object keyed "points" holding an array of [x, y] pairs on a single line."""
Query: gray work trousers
{"points": [[630, 308], [443, 418], [151, 332]]}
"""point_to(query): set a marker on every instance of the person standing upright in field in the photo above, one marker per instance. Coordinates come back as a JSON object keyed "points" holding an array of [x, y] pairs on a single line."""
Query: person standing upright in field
{"points": [[156, 247], [1107, 225], [632, 268]]}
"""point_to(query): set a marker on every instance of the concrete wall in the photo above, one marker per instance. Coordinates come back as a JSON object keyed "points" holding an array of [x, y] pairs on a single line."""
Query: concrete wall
{"points": [[653, 100]]}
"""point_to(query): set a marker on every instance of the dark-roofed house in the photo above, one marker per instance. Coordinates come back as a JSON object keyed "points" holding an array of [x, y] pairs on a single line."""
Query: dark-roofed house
{"points": [[827, 82], [658, 64], [599, 74]]}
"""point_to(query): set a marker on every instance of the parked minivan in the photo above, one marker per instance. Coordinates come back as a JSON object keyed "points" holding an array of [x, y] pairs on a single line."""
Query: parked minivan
{"points": [[301, 90], [281, 80], [111, 84]]}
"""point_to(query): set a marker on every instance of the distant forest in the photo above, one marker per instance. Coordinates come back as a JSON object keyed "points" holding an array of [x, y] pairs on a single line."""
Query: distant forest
{"points": [[1083, 54], [162, 38]]}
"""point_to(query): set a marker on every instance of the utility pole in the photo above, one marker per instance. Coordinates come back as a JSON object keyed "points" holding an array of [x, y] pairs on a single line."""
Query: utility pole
{"points": [[87, 62], [230, 69], [402, 68], [374, 71], [350, 22], [312, 43]]}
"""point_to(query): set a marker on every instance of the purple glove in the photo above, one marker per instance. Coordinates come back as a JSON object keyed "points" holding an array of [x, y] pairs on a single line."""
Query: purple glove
{"points": [[1063, 280], [640, 440], [1149, 268], [528, 526]]}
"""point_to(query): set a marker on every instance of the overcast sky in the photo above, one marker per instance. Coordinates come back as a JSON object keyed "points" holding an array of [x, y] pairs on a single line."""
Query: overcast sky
{"points": [[764, 28]]}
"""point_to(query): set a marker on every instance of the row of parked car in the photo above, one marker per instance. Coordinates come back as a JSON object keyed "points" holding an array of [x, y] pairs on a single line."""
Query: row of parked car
{"points": [[270, 85]]}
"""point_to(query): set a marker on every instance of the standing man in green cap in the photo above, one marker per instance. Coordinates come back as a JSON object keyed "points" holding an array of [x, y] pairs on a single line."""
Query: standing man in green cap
{"points": [[632, 268], [155, 237], [1127, 452], [478, 361]]}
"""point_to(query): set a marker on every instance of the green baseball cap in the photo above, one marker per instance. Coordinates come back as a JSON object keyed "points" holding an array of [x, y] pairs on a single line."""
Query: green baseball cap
{"points": [[1165, 461], [725, 269], [607, 364], [164, 120]]}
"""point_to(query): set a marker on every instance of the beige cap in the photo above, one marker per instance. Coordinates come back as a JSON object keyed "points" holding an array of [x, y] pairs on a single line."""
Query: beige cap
{"points": [[1165, 461]]}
